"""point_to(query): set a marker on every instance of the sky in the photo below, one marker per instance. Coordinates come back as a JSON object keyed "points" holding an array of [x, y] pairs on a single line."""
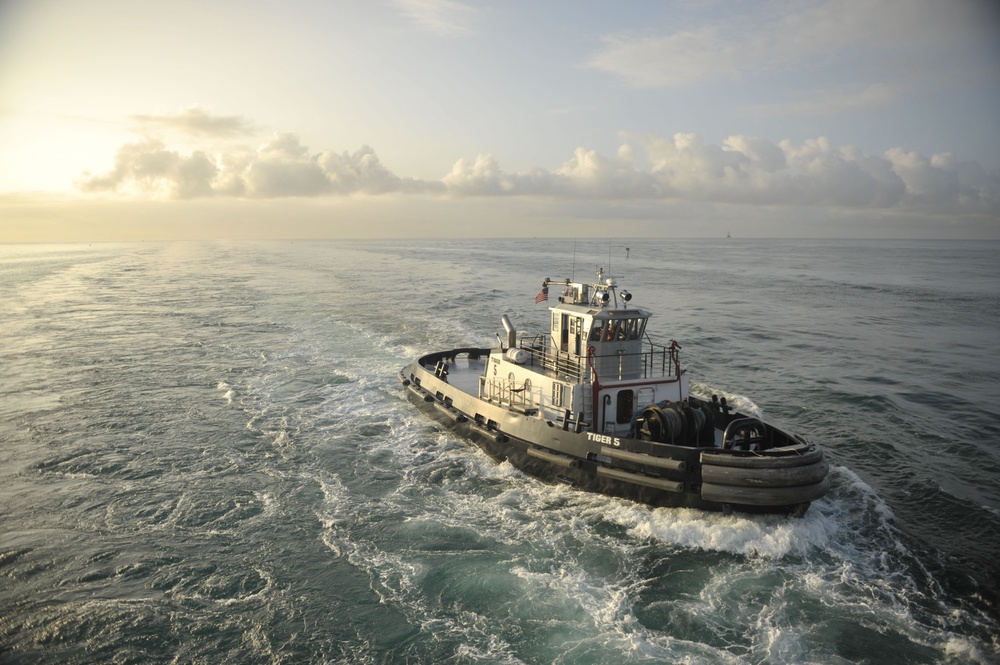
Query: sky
{"points": [[245, 119]]}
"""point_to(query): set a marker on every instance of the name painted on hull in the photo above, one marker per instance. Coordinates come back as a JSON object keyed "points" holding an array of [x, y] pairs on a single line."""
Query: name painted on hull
{"points": [[605, 439]]}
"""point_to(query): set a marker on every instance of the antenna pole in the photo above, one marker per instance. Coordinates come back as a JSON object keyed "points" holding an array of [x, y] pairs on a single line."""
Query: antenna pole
{"points": [[574, 259]]}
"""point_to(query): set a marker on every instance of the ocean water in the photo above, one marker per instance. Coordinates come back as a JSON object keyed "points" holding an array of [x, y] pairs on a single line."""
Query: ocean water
{"points": [[206, 456]]}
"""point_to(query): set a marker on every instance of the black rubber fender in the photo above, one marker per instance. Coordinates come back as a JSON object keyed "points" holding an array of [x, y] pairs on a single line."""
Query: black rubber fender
{"points": [[788, 476], [764, 461], [765, 496]]}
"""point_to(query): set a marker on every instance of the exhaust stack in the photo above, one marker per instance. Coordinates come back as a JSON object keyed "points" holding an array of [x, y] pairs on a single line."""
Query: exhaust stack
{"points": [[511, 331]]}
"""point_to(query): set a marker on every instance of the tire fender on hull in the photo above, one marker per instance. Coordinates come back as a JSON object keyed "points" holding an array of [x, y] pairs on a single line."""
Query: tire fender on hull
{"points": [[813, 454], [765, 496], [795, 476]]}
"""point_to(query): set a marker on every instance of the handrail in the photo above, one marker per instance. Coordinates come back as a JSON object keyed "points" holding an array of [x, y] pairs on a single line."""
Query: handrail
{"points": [[656, 361], [505, 391]]}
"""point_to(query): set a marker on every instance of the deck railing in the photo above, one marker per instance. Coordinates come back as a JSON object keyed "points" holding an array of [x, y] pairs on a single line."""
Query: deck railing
{"points": [[655, 362], [504, 391]]}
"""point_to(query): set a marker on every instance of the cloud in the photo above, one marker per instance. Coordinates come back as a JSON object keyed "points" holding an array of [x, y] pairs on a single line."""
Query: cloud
{"points": [[149, 166], [448, 18], [483, 177], [772, 37], [196, 121], [681, 168], [281, 167], [892, 48], [749, 171]]}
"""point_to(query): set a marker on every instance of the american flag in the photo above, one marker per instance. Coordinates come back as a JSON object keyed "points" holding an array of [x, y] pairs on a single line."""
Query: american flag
{"points": [[542, 295]]}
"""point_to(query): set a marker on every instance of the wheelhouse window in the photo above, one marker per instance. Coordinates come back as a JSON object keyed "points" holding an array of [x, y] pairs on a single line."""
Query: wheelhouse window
{"points": [[557, 394], [596, 330], [617, 329], [611, 330]]}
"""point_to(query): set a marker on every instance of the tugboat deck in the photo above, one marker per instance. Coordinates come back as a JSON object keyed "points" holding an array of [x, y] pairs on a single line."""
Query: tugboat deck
{"points": [[464, 373]]}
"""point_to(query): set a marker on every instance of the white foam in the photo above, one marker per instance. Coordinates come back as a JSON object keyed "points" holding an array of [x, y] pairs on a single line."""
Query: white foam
{"points": [[768, 536], [963, 650], [740, 403], [227, 391]]}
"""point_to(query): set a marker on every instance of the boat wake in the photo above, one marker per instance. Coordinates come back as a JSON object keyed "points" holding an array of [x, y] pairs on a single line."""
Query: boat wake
{"points": [[585, 576]]}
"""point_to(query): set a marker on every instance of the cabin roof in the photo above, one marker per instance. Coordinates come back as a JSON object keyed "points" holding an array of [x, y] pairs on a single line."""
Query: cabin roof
{"points": [[601, 312], [579, 310]]}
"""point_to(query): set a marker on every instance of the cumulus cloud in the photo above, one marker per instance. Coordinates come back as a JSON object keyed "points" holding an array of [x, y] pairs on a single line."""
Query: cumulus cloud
{"points": [[148, 165], [280, 167], [747, 170], [680, 168], [483, 177], [197, 121]]}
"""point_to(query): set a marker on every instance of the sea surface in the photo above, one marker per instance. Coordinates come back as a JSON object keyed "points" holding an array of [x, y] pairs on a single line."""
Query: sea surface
{"points": [[206, 456]]}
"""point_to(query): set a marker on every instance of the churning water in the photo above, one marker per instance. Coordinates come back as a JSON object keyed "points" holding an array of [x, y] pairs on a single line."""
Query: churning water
{"points": [[205, 455]]}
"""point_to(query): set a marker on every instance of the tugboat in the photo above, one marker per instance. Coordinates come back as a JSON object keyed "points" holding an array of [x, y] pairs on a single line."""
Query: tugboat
{"points": [[595, 404]]}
